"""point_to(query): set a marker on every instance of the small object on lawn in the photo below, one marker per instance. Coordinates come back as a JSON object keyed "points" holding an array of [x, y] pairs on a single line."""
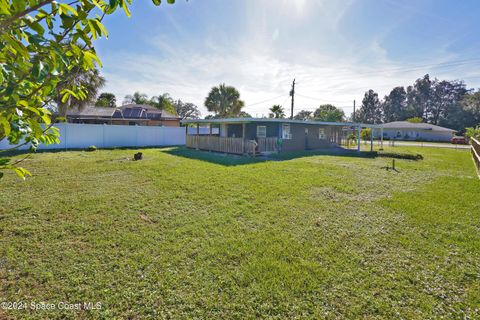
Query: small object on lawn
{"points": [[137, 156], [392, 167]]}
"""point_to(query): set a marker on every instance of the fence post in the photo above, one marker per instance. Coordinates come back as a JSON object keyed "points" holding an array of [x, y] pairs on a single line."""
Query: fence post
{"points": [[371, 139], [358, 138], [381, 137], [136, 135], [475, 149], [198, 135], [66, 135]]}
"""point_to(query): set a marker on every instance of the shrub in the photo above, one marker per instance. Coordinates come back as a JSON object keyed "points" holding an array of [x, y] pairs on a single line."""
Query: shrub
{"points": [[91, 148], [365, 134], [473, 132], [406, 156], [415, 120]]}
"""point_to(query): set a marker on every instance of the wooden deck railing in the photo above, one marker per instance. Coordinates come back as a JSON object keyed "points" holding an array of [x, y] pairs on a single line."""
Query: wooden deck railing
{"points": [[476, 153], [267, 144], [230, 145], [218, 144]]}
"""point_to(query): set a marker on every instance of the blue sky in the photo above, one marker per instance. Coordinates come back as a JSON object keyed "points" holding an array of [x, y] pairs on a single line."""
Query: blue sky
{"points": [[336, 50]]}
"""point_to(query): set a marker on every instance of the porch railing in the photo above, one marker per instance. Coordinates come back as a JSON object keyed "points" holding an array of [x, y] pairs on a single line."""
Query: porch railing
{"points": [[267, 144], [231, 145], [218, 144], [476, 153]]}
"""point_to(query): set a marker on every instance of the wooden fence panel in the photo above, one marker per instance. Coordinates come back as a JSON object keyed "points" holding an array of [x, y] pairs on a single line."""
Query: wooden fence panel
{"points": [[476, 154], [267, 144], [218, 144]]}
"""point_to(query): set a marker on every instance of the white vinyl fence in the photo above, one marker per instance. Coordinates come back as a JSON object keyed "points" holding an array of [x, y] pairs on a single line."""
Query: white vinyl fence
{"points": [[78, 136]]}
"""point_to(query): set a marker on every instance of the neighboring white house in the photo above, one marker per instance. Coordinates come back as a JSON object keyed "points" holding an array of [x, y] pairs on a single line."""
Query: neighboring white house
{"points": [[404, 130]]}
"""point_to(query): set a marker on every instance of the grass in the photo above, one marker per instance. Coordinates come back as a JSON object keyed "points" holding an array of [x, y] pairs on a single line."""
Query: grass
{"points": [[187, 234]]}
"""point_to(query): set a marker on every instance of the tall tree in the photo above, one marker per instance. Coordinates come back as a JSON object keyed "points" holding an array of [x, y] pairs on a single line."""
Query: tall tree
{"points": [[106, 100], [39, 47], [445, 108], [136, 98], [163, 102], [328, 113], [419, 98], [244, 114], [90, 80], [277, 111], [395, 105], [303, 115], [471, 105], [370, 111], [186, 110], [224, 101]]}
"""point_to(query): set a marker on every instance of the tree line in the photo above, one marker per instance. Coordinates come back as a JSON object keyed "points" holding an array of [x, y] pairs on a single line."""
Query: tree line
{"points": [[440, 102], [224, 102], [185, 110]]}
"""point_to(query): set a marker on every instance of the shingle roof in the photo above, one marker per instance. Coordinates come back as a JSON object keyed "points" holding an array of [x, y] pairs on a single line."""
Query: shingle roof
{"points": [[166, 114], [412, 125], [92, 112], [151, 110], [130, 111]]}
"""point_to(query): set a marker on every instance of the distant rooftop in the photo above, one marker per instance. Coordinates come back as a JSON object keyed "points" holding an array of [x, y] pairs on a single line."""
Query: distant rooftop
{"points": [[412, 125], [125, 111]]}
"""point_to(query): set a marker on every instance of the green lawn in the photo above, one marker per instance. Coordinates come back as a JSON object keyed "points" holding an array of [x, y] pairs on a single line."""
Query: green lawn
{"points": [[186, 234]]}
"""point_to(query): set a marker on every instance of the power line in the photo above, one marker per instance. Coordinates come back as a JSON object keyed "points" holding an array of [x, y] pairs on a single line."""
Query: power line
{"points": [[263, 101], [320, 99], [355, 75]]}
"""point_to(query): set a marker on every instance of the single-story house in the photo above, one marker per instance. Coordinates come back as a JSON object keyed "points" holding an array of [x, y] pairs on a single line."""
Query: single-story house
{"points": [[404, 130], [130, 114], [263, 135]]}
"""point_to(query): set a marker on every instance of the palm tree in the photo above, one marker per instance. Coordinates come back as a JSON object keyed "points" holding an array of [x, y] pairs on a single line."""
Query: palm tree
{"points": [[136, 98], [163, 102], [106, 99], [90, 80], [277, 111], [224, 101]]}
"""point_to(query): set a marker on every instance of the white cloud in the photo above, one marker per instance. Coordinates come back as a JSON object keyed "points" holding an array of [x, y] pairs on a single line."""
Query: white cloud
{"points": [[261, 63]]}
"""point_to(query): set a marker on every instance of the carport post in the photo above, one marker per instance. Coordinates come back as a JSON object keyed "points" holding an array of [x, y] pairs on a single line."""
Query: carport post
{"points": [[198, 134], [371, 139], [381, 138], [358, 138], [243, 138], [210, 137]]}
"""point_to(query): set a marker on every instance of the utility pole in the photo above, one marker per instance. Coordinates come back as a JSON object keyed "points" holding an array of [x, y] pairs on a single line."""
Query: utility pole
{"points": [[292, 94], [353, 118]]}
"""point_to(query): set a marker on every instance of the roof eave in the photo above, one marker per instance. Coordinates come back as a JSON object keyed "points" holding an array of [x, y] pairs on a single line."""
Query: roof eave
{"points": [[276, 120]]}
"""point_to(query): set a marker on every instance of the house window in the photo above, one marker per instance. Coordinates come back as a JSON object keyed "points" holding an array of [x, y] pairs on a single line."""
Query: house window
{"points": [[321, 133], [286, 134], [261, 131]]}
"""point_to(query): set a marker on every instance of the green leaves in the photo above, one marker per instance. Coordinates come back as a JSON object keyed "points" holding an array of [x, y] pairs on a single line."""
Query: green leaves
{"points": [[6, 165], [96, 28], [41, 44], [65, 8]]}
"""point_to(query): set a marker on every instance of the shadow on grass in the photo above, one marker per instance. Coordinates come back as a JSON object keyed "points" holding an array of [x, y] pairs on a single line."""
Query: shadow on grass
{"points": [[12, 153], [235, 160], [213, 157]]}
